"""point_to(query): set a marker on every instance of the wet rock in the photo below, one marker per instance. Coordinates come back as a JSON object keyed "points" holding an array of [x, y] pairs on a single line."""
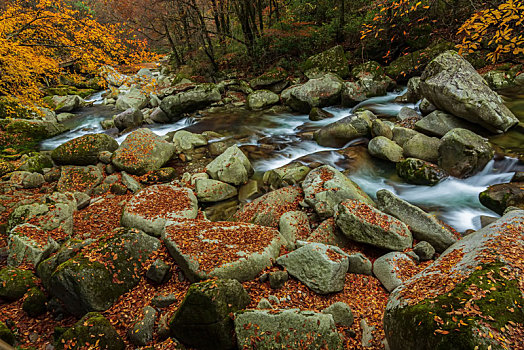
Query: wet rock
{"points": [[317, 114], [438, 123], [422, 147], [402, 135], [248, 190], [342, 131], [321, 92], [341, 313], [261, 99], [501, 196], [185, 140], [158, 116], [232, 167], [130, 118], [287, 175], [363, 223], [208, 190], [420, 172], [379, 128], [141, 333], [383, 148], [189, 101], [389, 269]]}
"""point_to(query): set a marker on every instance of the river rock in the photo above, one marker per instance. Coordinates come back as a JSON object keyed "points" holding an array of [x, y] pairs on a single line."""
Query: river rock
{"points": [[261, 99], [332, 60], [83, 150], [463, 153], [501, 196], [273, 80], [471, 275], [328, 233], [130, 118], [186, 141], [189, 101], [426, 107], [420, 172], [383, 148], [66, 103], [112, 76], [232, 167], [389, 269], [370, 81], [317, 114], [204, 249], [320, 267], [379, 128], [342, 131], [35, 162], [362, 223], [360, 264], [142, 151], [158, 116], [424, 227], [287, 175], [204, 319], [208, 190], [325, 187], [152, 208], [422, 147], [135, 99], [407, 113], [438, 123], [424, 250], [29, 244], [453, 85], [320, 92], [79, 178]]}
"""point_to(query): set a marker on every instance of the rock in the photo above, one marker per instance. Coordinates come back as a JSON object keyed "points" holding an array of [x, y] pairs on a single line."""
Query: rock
{"points": [[364, 224], [360, 264], [422, 147], [426, 107], [370, 81], [35, 302], [287, 175], [185, 140], [52, 174], [35, 163], [341, 313], [189, 101], [317, 114], [158, 116], [267, 209], [402, 135], [321, 92], [141, 333], [93, 279], [294, 225], [501, 196], [479, 262], [26, 179], [325, 187], [273, 80], [424, 227], [232, 167], [264, 304], [131, 184], [213, 191], [142, 151], [463, 153], [367, 333], [112, 76], [158, 272], [142, 210], [389, 269], [383, 148], [162, 301], [262, 329], [329, 61], [320, 267], [91, 329], [15, 282], [135, 99], [203, 319], [261, 99], [231, 250], [66, 103], [412, 94], [328, 233], [453, 85], [29, 244], [105, 156], [6, 334], [277, 279], [438, 123], [424, 250], [248, 190], [130, 118], [379, 128], [407, 113], [420, 172], [79, 178], [486, 220], [342, 131]]}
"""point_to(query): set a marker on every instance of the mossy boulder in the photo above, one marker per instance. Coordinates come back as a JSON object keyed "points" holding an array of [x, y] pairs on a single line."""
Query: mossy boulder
{"points": [[204, 320], [35, 302], [93, 330], [35, 162], [189, 101], [79, 178], [64, 90], [273, 80], [287, 175], [342, 131], [14, 282], [24, 135], [419, 172], [499, 197], [470, 296], [329, 61], [84, 150], [319, 92], [261, 99], [6, 334]]}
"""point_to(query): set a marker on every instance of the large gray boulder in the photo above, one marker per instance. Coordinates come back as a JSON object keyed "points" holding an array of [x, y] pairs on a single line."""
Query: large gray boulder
{"points": [[453, 85], [320, 267], [232, 167], [142, 151], [208, 190], [422, 147], [390, 269], [66, 103], [286, 329], [320, 92], [261, 99], [287, 175], [231, 250], [83, 150], [189, 101], [342, 131], [204, 319], [29, 244], [473, 286], [186, 141], [129, 118], [383, 148], [147, 209], [364, 224], [325, 187], [438, 123], [294, 225], [135, 98], [424, 227], [463, 153]]}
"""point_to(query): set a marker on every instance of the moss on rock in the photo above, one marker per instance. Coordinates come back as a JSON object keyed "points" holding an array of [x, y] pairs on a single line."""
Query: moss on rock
{"points": [[84, 150], [15, 282], [35, 302], [6, 334]]}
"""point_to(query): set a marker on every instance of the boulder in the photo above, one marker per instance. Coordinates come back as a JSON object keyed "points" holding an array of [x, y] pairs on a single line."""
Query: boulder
{"points": [[232, 167], [473, 286], [288, 329], [325, 187], [287, 175], [419, 172], [29, 244], [379, 128], [317, 114], [422, 147], [342, 131], [501, 196], [135, 98], [360, 264], [321, 92], [15, 282], [424, 250], [83, 150], [129, 118], [277, 279], [35, 302], [261, 99], [112, 76], [79, 178], [7, 334], [186, 141], [328, 233], [208, 190], [142, 151], [383, 148], [329, 61], [189, 101], [320, 267], [463, 153], [66, 103], [142, 331], [158, 116], [438, 123], [231, 250], [204, 319], [407, 113], [152, 208], [364, 224], [294, 225], [158, 272], [452, 84], [131, 184], [341, 313], [390, 269], [26, 179], [426, 107], [273, 80], [402, 135], [35, 162]]}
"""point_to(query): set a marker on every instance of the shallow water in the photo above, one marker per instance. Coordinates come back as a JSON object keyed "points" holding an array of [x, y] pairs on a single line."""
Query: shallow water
{"points": [[289, 136]]}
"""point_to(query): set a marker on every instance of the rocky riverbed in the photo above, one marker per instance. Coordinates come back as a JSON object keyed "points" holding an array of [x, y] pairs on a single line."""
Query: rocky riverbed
{"points": [[325, 213]]}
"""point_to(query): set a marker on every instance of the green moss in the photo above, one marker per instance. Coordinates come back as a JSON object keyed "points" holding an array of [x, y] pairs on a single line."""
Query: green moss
{"points": [[35, 163], [64, 90], [35, 302], [6, 167], [332, 60], [15, 282], [6, 334]]}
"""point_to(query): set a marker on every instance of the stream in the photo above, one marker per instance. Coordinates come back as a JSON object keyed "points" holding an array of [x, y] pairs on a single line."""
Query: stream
{"points": [[289, 137]]}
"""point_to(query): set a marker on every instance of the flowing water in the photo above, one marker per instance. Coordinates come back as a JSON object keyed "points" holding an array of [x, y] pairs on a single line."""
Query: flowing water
{"points": [[287, 137]]}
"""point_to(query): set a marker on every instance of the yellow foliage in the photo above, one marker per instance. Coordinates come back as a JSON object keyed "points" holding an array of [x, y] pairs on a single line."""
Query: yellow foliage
{"points": [[502, 28], [37, 36]]}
